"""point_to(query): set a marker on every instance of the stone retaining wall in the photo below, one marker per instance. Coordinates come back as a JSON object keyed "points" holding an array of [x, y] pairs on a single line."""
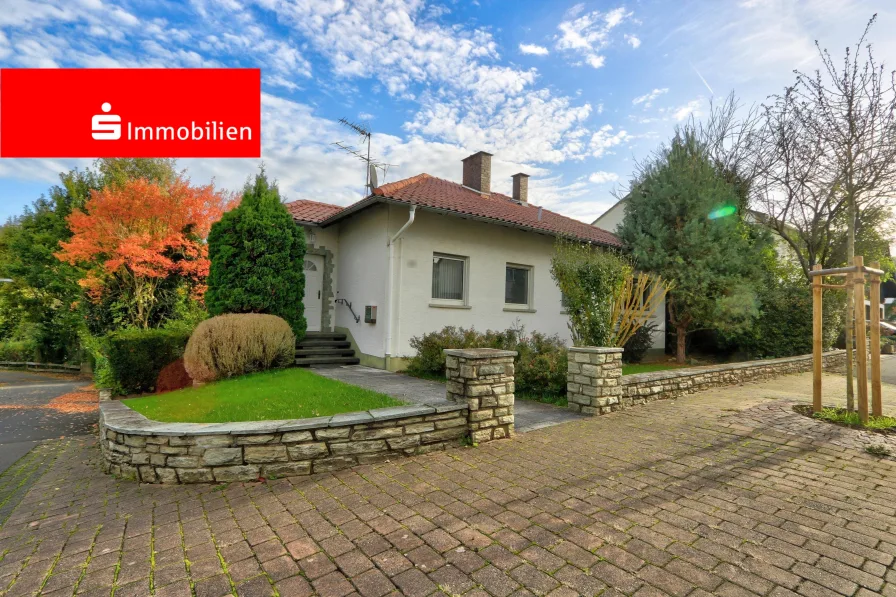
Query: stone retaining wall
{"points": [[596, 385], [141, 449], [479, 406]]}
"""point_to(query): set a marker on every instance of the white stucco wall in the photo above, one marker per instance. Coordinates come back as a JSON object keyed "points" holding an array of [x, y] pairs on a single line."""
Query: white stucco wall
{"points": [[489, 249], [361, 279]]}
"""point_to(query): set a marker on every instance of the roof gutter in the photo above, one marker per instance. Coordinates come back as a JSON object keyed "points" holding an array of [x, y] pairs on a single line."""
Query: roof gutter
{"points": [[390, 299]]}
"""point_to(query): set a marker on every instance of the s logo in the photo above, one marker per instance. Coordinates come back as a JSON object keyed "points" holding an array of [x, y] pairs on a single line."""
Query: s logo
{"points": [[106, 127]]}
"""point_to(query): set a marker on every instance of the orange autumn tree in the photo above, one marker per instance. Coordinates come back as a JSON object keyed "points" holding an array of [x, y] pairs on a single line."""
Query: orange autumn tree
{"points": [[134, 238]]}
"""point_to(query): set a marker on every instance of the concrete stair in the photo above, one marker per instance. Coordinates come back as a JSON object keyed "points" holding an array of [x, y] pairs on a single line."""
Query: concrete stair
{"points": [[325, 348]]}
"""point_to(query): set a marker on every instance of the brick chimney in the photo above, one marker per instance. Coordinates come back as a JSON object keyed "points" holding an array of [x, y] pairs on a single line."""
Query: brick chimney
{"points": [[478, 172], [521, 188]]}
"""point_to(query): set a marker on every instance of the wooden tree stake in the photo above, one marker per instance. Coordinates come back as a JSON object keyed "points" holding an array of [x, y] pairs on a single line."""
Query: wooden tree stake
{"points": [[874, 296], [861, 340], [816, 340]]}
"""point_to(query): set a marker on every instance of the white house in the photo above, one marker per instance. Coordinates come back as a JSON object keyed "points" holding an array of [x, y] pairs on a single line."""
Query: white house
{"points": [[423, 253]]}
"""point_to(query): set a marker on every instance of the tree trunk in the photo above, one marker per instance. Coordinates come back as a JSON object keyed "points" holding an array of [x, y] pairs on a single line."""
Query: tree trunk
{"points": [[850, 306], [681, 331]]}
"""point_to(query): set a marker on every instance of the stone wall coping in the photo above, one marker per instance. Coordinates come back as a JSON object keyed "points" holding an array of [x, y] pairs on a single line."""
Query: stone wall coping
{"points": [[479, 353], [120, 418], [704, 369], [595, 349]]}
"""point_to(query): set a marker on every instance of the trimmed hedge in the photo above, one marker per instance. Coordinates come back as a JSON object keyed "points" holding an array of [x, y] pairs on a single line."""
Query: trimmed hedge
{"points": [[235, 344], [136, 356], [540, 366], [18, 351]]}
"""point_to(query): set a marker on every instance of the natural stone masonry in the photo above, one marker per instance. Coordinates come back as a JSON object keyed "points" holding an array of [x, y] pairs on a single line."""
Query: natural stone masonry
{"points": [[138, 448], [595, 384], [644, 387], [482, 380], [592, 381]]}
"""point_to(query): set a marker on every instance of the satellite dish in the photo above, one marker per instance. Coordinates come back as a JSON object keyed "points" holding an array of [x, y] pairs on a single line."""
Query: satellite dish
{"points": [[373, 182]]}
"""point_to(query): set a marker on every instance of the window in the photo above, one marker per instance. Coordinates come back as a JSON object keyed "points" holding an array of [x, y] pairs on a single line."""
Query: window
{"points": [[516, 287], [448, 278]]}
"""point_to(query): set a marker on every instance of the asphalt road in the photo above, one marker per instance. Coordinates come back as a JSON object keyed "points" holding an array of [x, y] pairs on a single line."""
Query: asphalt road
{"points": [[23, 423]]}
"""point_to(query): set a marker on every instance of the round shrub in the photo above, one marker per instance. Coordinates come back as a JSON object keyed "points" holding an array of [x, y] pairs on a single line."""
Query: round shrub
{"points": [[173, 376], [235, 344]]}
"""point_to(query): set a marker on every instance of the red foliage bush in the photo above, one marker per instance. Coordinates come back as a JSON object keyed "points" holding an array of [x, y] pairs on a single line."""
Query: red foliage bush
{"points": [[173, 376]]}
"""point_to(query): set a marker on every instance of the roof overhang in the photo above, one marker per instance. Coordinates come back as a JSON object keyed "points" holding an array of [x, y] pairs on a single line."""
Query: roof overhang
{"points": [[372, 200]]}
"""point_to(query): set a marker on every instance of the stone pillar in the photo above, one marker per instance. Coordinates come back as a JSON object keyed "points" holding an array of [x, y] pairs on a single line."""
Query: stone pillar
{"points": [[482, 378], [593, 381]]}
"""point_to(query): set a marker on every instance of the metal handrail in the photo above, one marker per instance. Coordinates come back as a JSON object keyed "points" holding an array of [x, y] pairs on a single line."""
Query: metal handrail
{"points": [[345, 302]]}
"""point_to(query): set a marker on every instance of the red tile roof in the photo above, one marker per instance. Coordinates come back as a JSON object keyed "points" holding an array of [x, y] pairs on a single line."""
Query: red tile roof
{"points": [[435, 193], [311, 211], [428, 191]]}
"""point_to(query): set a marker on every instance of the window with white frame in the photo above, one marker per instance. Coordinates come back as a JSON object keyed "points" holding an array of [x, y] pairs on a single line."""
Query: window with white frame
{"points": [[518, 286], [449, 279]]}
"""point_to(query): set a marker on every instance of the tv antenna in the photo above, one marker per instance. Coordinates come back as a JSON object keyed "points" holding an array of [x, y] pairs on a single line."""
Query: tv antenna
{"points": [[373, 164]]}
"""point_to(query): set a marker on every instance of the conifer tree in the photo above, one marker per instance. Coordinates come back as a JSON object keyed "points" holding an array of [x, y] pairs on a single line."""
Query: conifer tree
{"points": [[257, 257]]}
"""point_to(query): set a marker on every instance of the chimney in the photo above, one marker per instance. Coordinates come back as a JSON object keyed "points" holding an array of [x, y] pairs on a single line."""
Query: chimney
{"points": [[521, 188], [478, 172]]}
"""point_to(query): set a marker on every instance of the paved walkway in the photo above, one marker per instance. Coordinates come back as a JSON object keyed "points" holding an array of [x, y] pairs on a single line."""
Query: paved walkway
{"points": [[690, 497], [24, 418], [528, 414]]}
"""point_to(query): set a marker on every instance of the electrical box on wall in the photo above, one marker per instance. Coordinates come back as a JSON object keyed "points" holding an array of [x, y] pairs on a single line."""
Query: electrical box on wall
{"points": [[370, 314]]}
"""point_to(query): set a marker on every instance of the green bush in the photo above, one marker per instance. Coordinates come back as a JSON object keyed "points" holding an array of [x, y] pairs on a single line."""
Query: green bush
{"points": [[130, 360], [784, 327], [589, 279], [638, 345], [257, 255], [540, 364], [19, 351], [231, 345]]}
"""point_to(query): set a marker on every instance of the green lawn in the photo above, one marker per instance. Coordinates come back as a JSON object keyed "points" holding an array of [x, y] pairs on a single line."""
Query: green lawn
{"points": [[280, 394], [646, 368]]}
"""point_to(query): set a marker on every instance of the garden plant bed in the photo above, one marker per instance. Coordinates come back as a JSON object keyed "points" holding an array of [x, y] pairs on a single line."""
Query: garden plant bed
{"points": [[844, 418], [272, 395]]}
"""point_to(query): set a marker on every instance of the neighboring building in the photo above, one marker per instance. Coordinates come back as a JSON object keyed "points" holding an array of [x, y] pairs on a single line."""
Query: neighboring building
{"points": [[610, 220], [424, 253]]}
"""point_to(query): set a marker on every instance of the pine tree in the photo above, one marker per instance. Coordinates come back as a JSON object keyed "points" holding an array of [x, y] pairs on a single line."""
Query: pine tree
{"points": [[257, 257], [684, 221]]}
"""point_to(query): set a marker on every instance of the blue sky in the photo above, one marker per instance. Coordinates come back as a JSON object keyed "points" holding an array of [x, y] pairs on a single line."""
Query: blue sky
{"points": [[572, 93]]}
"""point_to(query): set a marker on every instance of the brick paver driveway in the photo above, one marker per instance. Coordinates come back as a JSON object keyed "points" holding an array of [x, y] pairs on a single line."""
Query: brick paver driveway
{"points": [[677, 498]]}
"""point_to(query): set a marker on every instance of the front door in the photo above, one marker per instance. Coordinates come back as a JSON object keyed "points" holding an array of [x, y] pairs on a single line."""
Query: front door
{"points": [[314, 286]]}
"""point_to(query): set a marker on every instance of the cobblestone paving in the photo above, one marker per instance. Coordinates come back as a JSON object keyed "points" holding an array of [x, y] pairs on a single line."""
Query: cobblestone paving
{"points": [[18, 479], [685, 497]]}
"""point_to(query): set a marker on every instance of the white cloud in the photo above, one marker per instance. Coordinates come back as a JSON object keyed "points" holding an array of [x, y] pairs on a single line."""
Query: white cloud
{"points": [[601, 177], [647, 98], [587, 35], [463, 96], [684, 112], [605, 139], [632, 40], [534, 49], [97, 35]]}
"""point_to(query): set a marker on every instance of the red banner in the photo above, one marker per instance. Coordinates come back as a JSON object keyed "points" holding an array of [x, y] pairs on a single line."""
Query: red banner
{"points": [[130, 113]]}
